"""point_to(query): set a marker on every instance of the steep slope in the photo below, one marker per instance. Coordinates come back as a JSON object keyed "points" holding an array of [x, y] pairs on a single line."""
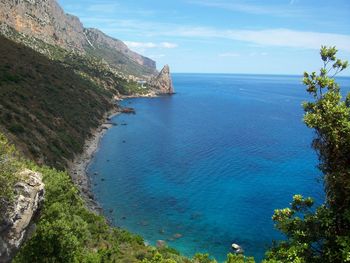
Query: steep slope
{"points": [[118, 55], [45, 20], [47, 107]]}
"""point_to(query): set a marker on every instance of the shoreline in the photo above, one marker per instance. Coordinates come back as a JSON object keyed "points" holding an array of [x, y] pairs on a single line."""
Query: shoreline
{"points": [[77, 169]]}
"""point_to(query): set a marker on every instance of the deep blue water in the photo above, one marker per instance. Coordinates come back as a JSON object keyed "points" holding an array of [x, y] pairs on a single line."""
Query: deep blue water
{"points": [[210, 163]]}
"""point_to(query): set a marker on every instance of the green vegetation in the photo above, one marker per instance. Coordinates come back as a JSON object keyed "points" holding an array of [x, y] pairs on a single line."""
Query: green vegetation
{"points": [[9, 167], [47, 108], [118, 60], [322, 234]]}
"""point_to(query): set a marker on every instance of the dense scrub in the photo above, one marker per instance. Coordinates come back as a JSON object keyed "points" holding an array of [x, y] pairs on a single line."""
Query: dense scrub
{"points": [[9, 167], [46, 106]]}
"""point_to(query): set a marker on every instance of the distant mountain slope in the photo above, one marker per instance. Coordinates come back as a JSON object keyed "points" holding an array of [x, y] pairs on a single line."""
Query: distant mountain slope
{"points": [[45, 20], [117, 54]]}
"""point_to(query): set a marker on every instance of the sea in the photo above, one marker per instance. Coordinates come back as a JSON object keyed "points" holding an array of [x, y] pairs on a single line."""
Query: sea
{"points": [[207, 167]]}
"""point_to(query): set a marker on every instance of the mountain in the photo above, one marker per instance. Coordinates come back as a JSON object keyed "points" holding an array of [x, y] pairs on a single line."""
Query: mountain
{"points": [[45, 20], [117, 54]]}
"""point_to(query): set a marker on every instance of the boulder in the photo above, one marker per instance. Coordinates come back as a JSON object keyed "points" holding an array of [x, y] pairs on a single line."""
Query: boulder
{"points": [[161, 243], [18, 219]]}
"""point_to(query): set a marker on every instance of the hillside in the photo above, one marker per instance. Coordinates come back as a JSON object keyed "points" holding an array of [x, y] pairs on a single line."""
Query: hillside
{"points": [[46, 20], [37, 105]]}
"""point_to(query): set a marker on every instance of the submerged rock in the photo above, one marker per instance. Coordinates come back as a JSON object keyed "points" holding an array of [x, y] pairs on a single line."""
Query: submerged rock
{"points": [[178, 235], [128, 110], [17, 221]]}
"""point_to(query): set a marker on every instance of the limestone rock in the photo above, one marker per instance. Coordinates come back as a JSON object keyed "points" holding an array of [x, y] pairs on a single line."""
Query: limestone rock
{"points": [[47, 21], [163, 83], [17, 222]]}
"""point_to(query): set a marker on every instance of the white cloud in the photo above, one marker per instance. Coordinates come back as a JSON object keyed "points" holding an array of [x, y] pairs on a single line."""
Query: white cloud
{"points": [[156, 56], [291, 38], [280, 37], [147, 45], [103, 8], [168, 45], [271, 37], [244, 7], [229, 54]]}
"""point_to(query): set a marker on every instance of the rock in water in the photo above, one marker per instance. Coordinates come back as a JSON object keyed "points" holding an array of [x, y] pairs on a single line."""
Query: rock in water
{"points": [[163, 83], [237, 248], [17, 221]]}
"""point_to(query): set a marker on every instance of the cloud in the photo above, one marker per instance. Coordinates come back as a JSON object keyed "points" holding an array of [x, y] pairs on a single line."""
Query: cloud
{"points": [[147, 45], [291, 38], [103, 8], [156, 56], [244, 7], [229, 54], [276, 37], [270, 37], [168, 45]]}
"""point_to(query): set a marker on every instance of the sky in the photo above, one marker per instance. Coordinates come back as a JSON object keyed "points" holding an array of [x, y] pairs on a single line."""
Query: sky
{"points": [[222, 36]]}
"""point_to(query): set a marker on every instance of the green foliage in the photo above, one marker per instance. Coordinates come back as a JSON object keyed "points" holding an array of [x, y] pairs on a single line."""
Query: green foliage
{"points": [[158, 258], [233, 258], [203, 258], [9, 167], [322, 234], [49, 109], [118, 60]]}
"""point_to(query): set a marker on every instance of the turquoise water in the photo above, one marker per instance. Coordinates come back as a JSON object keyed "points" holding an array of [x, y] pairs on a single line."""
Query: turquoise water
{"points": [[210, 163]]}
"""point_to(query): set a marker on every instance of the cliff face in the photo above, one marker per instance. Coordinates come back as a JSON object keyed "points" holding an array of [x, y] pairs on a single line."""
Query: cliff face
{"points": [[163, 83], [16, 224], [46, 20]]}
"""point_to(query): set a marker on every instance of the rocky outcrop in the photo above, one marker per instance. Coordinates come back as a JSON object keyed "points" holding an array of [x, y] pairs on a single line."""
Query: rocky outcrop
{"points": [[163, 83], [16, 223]]}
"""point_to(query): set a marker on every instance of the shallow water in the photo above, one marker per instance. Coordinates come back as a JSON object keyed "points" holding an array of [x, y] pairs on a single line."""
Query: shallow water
{"points": [[210, 163]]}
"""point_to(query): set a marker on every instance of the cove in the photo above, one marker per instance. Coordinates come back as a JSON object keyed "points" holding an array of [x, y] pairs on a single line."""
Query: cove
{"points": [[207, 167]]}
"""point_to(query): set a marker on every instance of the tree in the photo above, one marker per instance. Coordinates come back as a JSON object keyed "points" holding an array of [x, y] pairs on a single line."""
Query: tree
{"points": [[322, 234]]}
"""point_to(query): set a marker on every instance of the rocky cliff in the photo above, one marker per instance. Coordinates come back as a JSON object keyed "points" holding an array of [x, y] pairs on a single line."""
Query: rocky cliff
{"points": [[17, 222], [163, 83], [46, 20]]}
